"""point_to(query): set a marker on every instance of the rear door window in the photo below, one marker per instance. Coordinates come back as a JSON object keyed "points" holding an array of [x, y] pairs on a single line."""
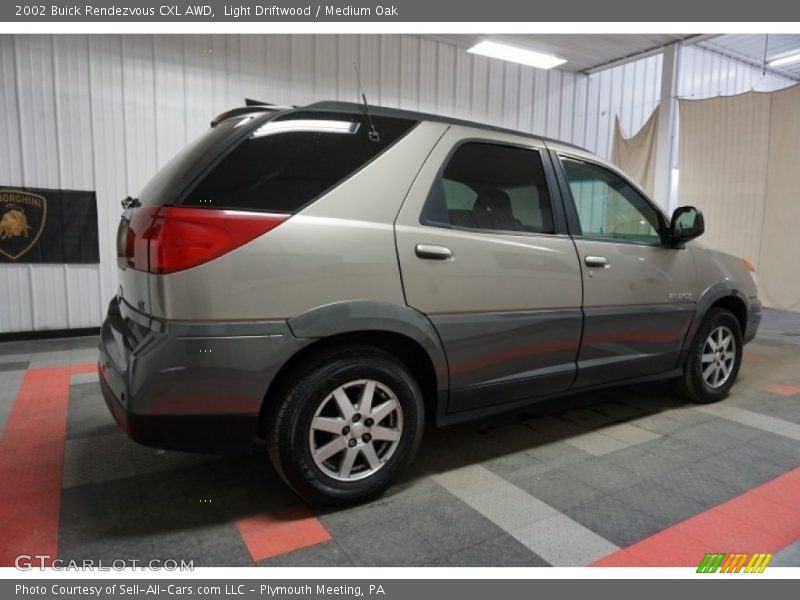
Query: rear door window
{"points": [[289, 161], [487, 186]]}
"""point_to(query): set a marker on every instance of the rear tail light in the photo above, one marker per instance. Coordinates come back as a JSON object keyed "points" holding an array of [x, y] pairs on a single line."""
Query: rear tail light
{"points": [[132, 237], [168, 239]]}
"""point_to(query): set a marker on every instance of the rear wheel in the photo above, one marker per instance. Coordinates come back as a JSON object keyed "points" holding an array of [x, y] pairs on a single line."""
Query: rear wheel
{"points": [[345, 424], [714, 358]]}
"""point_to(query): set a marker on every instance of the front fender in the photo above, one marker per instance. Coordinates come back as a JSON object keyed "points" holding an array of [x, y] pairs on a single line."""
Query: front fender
{"points": [[708, 297]]}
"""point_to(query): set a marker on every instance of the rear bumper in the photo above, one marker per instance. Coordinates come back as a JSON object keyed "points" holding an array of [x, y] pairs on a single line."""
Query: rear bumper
{"points": [[188, 385], [753, 320]]}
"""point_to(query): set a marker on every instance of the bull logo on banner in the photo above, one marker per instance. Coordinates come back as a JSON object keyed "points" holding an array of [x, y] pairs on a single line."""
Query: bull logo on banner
{"points": [[22, 218]]}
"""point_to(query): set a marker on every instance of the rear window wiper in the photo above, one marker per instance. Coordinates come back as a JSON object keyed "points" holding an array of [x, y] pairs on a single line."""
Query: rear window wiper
{"points": [[130, 202]]}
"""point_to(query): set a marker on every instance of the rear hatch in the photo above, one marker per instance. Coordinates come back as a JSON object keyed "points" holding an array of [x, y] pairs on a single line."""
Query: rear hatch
{"points": [[244, 176], [141, 217]]}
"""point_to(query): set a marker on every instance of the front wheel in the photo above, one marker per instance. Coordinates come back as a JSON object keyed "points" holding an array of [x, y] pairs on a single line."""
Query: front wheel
{"points": [[345, 424], [714, 358]]}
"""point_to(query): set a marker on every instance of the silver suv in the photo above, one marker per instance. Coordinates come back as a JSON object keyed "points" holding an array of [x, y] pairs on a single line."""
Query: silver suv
{"points": [[329, 277]]}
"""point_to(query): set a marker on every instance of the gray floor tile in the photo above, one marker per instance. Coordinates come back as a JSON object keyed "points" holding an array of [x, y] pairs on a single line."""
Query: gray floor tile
{"points": [[738, 475], [327, 554], [788, 557], [453, 526], [596, 443], [676, 451], [208, 544], [97, 458], [588, 418], [699, 485], [388, 544], [117, 535], [10, 382], [510, 463], [641, 463], [119, 495], [558, 491], [619, 410], [659, 501], [500, 551], [616, 521], [600, 473], [19, 365], [87, 421], [659, 423]]}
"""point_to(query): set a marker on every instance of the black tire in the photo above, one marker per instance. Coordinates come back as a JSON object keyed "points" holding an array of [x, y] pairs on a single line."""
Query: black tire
{"points": [[295, 403], [692, 383]]}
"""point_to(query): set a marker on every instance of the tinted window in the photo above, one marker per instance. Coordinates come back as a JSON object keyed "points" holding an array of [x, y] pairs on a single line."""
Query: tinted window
{"points": [[172, 179], [494, 187], [291, 160], [608, 206]]}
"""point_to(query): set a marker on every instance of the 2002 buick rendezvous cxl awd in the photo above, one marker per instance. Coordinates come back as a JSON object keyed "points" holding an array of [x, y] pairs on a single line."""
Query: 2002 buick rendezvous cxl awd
{"points": [[328, 277]]}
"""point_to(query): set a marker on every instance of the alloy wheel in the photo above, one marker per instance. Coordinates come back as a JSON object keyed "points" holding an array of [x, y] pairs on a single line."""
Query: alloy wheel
{"points": [[718, 356], [355, 430]]}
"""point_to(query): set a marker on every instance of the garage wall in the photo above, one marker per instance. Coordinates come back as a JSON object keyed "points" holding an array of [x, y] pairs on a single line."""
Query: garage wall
{"points": [[104, 112], [704, 74]]}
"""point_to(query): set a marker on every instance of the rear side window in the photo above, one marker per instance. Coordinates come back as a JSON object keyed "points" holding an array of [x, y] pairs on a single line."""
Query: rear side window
{"points": [[289, 161], [493, 187]]}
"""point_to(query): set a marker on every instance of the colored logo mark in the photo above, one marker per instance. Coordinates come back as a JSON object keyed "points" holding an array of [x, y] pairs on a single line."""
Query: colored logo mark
{"points": [[714, 562]]}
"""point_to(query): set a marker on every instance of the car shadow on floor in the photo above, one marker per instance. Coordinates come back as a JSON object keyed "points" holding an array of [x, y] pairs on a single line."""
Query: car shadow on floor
{"points": [[163, 504]]}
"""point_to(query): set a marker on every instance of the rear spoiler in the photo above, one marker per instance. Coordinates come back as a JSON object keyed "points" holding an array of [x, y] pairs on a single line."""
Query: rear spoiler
{"points": [[251, 107]]}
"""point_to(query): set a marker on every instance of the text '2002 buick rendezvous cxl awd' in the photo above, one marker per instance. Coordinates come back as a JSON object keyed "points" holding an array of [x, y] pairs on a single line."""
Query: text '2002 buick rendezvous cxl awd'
{"points": [[329, 277]]}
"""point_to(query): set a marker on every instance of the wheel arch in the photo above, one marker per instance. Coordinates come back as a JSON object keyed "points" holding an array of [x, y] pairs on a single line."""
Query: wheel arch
{"points": [[397, 329], [720, 295]]}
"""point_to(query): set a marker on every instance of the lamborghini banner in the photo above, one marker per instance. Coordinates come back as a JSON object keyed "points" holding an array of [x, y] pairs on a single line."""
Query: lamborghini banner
{"points": [[48, 226]]}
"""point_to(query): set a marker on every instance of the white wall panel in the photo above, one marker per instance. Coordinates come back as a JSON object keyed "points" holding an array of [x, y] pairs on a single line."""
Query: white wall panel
{"points": [[704, 74], [104, 112]]}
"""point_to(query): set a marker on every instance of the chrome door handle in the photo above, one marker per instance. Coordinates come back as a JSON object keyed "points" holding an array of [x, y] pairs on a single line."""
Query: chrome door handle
{"points": [[433, 252], [596, 261]]}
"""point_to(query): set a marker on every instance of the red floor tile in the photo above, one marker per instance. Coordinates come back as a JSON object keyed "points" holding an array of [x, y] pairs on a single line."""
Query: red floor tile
{"points": [[764, 519], [752, 357], [31, 465], [782, 389], [277, 533]]}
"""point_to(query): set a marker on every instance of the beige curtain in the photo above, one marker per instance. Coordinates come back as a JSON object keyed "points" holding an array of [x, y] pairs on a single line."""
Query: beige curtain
{"points": [[738, 157], [636, 155]]}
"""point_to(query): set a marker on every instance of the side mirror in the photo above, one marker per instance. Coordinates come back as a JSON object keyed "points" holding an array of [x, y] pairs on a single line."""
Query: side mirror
{"points": [[687, 223]]}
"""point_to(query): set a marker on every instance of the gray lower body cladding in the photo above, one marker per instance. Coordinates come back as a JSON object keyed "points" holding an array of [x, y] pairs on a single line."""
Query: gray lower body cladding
{"points": [[753, 320], [190, 386]]}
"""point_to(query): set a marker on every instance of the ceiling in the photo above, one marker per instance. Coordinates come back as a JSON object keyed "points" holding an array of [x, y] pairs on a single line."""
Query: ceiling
{"points": [[586, 53], [583, 52], [750, 48]]}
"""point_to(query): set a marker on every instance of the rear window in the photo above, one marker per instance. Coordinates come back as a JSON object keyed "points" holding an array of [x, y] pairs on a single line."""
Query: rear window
{"points": [[289, 161], [172, 179]]}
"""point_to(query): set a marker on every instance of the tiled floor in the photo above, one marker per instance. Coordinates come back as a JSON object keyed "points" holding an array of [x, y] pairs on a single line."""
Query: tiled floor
{"points": [[567, 482]]}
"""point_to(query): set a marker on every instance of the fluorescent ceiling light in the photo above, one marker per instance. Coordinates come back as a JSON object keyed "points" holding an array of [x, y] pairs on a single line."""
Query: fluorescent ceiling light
{"points": [[516, 55], [785, 60]]}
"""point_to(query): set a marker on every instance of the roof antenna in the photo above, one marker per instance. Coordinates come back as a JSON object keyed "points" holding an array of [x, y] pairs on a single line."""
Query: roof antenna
{"points": [[374, 136]]}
